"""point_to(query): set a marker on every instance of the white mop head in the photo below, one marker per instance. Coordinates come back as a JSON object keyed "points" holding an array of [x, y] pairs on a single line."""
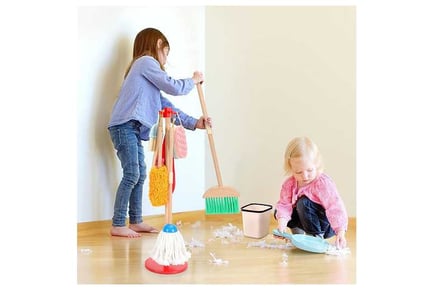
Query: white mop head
{"points": [[170, 248]]}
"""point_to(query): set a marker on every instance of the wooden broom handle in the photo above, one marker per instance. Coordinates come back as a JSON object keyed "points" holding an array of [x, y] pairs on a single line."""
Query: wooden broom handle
{"points": [[210, 136], [157, 160]]}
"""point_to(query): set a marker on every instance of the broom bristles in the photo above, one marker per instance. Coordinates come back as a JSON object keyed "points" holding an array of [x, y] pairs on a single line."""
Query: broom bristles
{"points": [[170, 248], [221, 200], [222, 205]]}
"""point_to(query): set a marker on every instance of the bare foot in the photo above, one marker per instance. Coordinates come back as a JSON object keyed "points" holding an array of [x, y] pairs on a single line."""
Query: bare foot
{"points": [[144, 228], [124, 232]]}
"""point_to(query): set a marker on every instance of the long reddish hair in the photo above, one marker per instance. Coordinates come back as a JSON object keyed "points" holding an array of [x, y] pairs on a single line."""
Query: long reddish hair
{"points": [[145, 43]]}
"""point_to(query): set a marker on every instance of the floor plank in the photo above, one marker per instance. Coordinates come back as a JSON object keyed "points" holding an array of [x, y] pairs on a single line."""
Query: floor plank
{"points": [[103, 259]]}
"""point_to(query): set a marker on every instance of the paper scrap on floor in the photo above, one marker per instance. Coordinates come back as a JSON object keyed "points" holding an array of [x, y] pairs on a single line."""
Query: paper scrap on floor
{"points": [[229, 233], [195, 244], [272, 245], [333, 250], [217, 261]]}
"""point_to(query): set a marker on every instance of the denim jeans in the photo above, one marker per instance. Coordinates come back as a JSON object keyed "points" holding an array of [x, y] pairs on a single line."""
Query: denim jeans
{"points": [[310, 217], [127, 142]]}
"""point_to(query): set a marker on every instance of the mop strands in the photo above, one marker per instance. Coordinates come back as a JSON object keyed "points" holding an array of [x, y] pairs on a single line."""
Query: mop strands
{"points": [[170, 248], [169, 255], [218, 199]]}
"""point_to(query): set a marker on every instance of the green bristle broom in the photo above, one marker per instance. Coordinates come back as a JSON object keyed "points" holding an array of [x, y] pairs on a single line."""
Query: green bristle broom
{"points": [[218, 199]]}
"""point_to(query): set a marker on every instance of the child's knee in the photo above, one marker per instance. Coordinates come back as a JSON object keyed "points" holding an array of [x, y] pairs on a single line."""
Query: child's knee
{"points": [[303, 203]]}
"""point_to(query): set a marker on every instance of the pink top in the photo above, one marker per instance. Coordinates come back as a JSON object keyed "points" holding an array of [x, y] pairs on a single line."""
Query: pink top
{"points": [[323, 191]]}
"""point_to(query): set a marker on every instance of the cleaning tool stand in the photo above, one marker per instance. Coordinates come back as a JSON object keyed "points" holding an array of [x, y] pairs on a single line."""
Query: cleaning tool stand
{"points": [[256, 220], [169, 255]]}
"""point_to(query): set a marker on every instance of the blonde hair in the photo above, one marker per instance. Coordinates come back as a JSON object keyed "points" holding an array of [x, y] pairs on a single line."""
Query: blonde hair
{"points": [[302, 147]]}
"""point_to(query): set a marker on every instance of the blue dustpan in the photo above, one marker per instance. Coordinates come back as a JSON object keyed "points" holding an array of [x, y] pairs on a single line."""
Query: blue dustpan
{"points": [[305, 242]]}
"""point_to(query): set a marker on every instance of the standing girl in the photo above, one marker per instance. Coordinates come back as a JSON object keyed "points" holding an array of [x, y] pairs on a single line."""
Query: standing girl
{"points": [[309, 201], [134, 113]]}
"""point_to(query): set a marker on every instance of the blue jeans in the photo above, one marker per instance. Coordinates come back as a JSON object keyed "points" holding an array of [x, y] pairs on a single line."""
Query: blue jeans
{"points": [[310, 217], [127, 142]]}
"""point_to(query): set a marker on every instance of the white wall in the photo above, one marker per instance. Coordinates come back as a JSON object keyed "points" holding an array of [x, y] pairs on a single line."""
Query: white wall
{"points": [[106, 36], [271, 73], [274, 73]]}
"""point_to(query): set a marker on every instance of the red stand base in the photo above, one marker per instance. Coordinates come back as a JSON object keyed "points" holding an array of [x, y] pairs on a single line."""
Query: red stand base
{"points": [[153, 266]]}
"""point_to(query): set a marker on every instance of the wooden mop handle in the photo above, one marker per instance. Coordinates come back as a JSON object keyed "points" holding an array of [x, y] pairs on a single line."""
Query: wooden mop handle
{"points": [[169, 163], [210, 136]]}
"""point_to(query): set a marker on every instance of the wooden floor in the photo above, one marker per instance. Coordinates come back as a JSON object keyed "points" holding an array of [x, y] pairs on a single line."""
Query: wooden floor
{"points": [[103, 259]]}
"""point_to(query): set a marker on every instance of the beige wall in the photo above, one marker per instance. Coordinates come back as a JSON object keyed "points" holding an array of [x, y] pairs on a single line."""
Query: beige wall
{"points": [[273, 73]]}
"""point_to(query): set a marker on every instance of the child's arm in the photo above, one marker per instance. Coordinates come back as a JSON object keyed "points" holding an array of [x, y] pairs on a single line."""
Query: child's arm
{"points": [[188, 121], [284, 205], [333, 204], [152, 71]]}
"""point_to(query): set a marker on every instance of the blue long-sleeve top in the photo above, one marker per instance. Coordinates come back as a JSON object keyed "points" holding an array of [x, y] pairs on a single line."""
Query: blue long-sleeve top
{"points": [[140, 96]]}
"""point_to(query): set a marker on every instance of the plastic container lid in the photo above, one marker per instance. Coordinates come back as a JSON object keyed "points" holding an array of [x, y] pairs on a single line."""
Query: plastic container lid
{"points": [[256, 207]]}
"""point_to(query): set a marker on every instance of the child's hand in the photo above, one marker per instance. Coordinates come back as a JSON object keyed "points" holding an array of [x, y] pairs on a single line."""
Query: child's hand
{"points": [[341, 242], [197, 77], [283, 224], [277, 236], [202, 122]]}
